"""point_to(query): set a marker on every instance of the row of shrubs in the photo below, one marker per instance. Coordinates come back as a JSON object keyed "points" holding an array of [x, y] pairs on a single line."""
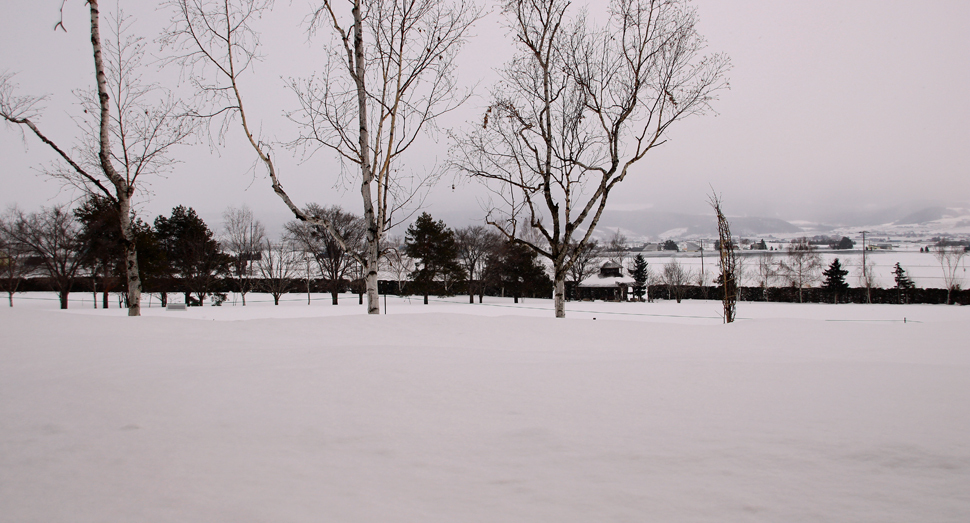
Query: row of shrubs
{"points": [[816, 295], [774, 294]]}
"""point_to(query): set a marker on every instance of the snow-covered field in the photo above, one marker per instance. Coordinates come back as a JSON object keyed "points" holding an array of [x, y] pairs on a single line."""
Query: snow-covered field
{"points": [[484, 413], [923, 268]]}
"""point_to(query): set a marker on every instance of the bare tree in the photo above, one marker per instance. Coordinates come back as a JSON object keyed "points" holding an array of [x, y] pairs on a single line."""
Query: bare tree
{"points": [[334, 258], [397, 262], [129, 130], [616, 248], [244, 237], [13, 258], [389, 72], [577, 108], [949, 258], [585, 261], [52, 235], [802, 264], [475, 243], [728, 261], [766, 271], [278, 267], [676, 278]]}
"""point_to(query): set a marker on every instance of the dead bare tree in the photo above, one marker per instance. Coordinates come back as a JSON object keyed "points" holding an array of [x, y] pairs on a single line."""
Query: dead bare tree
{"points": [[243, 238], [475, 243], [577, 108], [128, 131], [676, 278], [949, 258], [278, 267], [13, 258], [766, 271], [616, 248], [389, 72], [728, 261], [334, 258], [585, 261], [398, 263], [801, 265], [51, 235]]}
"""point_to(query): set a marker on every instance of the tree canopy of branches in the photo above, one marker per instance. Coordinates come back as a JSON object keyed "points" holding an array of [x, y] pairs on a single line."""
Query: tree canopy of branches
{"points": [[475, 244], [129, 129], [949, 258], [334, 257], [577, 108], [13, 258], [767, 271], [432, 245], [676, 278], [584, 261], [278, 267], [388, 73], [801, 264], [54, 237], [243, 238]]}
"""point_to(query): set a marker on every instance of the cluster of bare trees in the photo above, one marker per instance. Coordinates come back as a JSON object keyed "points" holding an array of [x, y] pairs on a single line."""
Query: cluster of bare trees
{"points": [[578, 106], [49, 239]]}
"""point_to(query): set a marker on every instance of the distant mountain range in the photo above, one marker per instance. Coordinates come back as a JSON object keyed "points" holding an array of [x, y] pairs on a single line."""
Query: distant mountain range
{"points": [[655, 225], [651, 225]]}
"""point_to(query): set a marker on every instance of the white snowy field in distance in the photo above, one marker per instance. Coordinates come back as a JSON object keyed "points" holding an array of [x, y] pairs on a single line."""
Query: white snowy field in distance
{"points": [[922, 267], [483, 413]]}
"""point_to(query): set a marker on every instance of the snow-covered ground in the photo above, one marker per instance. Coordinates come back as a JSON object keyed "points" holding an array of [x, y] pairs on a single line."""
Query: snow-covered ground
{"points": [[463, 413], [923, 268]]}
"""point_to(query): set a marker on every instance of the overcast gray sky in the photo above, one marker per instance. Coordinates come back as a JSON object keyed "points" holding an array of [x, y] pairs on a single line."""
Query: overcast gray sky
{"points": [[834, 105]]}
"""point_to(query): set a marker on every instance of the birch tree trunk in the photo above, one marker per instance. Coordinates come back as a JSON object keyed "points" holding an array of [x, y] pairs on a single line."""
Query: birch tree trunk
{"points": [[559, 294], [123, 189]]}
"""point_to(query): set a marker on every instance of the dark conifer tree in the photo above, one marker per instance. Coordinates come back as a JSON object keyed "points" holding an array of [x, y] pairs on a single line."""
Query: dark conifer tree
{"points": [[192, 252], [520, 273], [104, 251], [433, 245], [903, 282], [835, 280], [639, 274]]}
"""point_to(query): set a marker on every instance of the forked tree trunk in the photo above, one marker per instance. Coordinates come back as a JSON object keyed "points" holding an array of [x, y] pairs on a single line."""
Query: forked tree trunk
{"points": [[122, 188]]}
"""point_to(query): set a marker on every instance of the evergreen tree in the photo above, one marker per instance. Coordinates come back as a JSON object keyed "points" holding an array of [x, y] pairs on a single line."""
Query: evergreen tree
{"points": [[520, 273], [639, 272], [191, 250], [903, 282], [103, 253], [835, 279], [433, 245], [845, 243]]}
